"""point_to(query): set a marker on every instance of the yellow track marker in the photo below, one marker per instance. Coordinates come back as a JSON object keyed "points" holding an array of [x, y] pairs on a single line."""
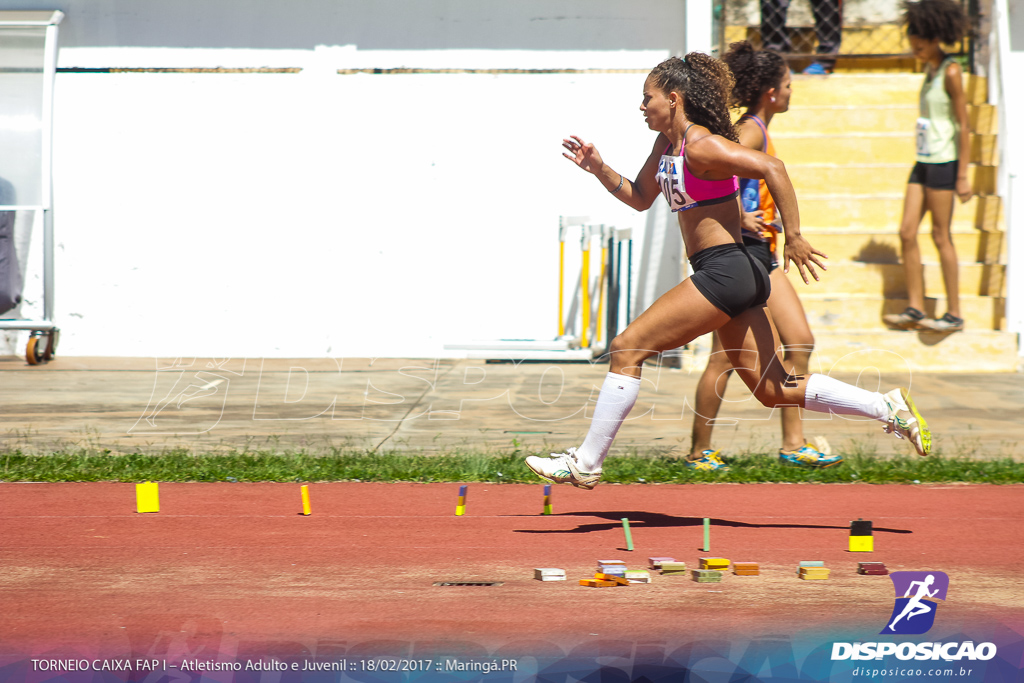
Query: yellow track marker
{"points": [[147, 497], [460, 507]]}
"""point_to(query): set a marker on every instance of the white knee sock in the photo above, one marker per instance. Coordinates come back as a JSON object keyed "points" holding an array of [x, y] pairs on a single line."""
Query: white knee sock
{"points": [[618, 394], [827, 395]]}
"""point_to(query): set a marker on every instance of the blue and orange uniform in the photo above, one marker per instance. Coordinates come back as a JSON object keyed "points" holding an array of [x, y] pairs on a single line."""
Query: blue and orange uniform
{"points": [[755, 197]]}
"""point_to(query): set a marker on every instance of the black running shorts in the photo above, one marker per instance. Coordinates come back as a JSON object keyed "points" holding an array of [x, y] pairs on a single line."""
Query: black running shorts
{"points": [[730, 278], [760, 250], [934, 176]]}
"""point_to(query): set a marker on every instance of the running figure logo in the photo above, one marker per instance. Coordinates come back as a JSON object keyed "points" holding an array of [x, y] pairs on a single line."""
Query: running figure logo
{"points": [[914, 612]]}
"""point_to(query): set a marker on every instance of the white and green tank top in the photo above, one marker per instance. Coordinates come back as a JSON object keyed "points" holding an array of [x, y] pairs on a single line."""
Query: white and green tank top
{"points": [[937, 129]]}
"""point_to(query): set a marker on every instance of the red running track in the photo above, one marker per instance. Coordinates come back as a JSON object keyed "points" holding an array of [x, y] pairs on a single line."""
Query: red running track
{"points": [[226, 567]]}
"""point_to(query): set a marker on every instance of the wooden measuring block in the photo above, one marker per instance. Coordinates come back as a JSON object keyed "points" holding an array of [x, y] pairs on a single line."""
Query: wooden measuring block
{"points": [[597, 583], [655, 562], [707, 576], [814, 572], [549, 574], [617, 580], [638, 576], [719, 563]]}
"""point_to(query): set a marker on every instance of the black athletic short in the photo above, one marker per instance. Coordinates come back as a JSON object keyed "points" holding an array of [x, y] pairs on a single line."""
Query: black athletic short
{"points": [[760, 250], [730, 278], [934, 176]]}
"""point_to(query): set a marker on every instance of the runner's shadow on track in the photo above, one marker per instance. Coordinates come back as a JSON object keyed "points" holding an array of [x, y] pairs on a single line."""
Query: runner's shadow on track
{"points": [[651, 520]]}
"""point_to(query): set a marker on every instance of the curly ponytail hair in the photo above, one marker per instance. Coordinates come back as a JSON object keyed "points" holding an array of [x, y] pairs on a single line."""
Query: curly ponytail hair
{"points": [[756, 72], [705, 84], [935, 19]]}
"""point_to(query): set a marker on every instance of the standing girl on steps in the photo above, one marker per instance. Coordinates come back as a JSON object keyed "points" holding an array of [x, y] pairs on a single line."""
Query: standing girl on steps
{"points": [[943, 153]]}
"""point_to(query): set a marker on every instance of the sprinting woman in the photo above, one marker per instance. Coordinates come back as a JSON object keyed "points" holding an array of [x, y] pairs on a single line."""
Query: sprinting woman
{"points": [[694, 164], [763, 89], [943, 153]]}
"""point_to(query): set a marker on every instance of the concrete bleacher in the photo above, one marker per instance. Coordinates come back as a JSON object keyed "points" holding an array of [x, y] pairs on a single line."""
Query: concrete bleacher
{"points": [[848, 143]]}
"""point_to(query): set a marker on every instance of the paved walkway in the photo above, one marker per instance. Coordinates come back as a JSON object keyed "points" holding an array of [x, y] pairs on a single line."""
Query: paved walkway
{"points": [[150, 405]]}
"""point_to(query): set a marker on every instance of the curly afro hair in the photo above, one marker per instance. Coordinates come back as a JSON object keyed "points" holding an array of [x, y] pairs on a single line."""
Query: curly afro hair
{"points": [[935, 19], [756, 72], [706, 84]]}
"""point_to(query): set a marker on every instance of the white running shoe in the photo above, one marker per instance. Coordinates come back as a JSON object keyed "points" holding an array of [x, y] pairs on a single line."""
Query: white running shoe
{"points": [[562, 468], [906, 422]]}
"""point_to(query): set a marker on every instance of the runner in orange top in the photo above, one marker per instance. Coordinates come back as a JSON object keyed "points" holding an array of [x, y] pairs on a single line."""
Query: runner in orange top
{"points": [[763, 87]]}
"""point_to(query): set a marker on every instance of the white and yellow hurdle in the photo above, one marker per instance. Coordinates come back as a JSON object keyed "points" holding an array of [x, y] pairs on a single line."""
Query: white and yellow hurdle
{"points": [[596, 309], [594, 298]]}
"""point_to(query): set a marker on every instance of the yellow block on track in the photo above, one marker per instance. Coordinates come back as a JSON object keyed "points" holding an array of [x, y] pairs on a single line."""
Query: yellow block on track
{"points": [[147, 497]]}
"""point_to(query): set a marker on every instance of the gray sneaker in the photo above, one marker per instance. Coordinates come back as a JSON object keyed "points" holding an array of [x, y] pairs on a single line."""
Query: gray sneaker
{"points": [[947, 323], [562, 468], [909, 319]]}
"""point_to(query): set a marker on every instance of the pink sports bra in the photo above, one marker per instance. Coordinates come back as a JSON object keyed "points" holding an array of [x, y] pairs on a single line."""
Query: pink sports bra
{"points": [[683, 190]]}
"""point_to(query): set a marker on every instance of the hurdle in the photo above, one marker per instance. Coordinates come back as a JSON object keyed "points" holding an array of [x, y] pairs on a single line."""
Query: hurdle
{"points": [[589, 306]]}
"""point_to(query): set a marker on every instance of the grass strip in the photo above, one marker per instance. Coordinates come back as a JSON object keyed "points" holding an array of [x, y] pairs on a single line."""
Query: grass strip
{"points": [[457, 466]]}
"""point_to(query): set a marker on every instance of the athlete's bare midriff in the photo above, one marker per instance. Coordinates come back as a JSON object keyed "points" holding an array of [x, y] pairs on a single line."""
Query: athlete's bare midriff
{"points": [[706, 226]]}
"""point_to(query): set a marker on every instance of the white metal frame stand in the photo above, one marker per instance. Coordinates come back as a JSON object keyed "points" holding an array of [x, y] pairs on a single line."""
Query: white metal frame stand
{"points": [[42, 344]]}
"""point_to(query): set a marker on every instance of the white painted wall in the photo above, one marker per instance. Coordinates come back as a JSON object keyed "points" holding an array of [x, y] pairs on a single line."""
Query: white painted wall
{"points": [[318, 214], [266, 215]]}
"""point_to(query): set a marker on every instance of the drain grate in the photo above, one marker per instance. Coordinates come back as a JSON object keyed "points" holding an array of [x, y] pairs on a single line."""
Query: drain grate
{"points": [[468, 583]]}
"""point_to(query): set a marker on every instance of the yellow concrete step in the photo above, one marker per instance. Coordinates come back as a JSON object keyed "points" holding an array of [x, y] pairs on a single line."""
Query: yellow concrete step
{"points": [[843, 119], [872, 179], [915, 351], [875, 212], [972, 246], [867, 148], [855, 148], [872, 89], [976, 88], [984, 149], [863, 312], [887, 280], [984, 118], [875, 65], [855, 118], [857, 89], [814, 147]]}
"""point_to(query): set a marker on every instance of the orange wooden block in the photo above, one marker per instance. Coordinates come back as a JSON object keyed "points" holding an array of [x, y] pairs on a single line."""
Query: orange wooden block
{"points": [[617, 580], [597, 583]]}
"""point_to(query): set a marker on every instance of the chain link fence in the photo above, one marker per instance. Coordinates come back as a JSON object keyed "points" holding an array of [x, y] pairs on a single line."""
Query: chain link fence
{"points": [[824, 30]]}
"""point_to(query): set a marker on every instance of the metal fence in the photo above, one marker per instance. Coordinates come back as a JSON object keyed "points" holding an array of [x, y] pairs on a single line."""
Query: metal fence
{"points": [[825, 30]]}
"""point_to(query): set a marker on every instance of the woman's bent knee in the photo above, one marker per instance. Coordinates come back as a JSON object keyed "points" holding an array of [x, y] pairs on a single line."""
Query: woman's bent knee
{"points": [[774, 395], [624, 354]]}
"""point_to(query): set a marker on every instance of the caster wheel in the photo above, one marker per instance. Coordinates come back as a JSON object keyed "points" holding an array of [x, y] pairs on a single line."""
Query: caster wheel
{"points": [[35, 351], [52, 339]]}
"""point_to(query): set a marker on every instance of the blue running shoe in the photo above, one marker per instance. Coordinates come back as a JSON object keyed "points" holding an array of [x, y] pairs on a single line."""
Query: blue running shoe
{"points": [[710, 462], [809, 456], [816, 69]]}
